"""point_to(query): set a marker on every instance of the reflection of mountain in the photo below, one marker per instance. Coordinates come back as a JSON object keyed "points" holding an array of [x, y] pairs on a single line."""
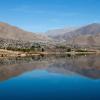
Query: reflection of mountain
{"points": [[87, 66], [16, 66], [84, 65]]}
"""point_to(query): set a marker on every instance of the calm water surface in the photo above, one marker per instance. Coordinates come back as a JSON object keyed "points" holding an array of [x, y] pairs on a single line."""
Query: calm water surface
{"points": [[50, 78]]}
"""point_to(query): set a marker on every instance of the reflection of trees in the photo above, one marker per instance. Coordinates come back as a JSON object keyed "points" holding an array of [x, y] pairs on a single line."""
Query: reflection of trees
{"points": [[19, 60], [67, 59]]}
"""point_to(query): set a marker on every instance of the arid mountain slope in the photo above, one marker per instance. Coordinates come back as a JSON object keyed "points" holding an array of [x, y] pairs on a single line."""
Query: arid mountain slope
{"points": [[88, 35], [11, 32]]}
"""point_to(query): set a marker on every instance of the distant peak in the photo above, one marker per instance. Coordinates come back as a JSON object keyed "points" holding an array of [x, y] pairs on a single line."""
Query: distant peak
{"points": [[95, 24]]}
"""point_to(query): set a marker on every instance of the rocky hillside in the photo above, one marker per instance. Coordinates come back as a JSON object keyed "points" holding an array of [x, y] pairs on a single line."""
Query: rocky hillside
{"points": [[85, 36], [88, 35], [11, 32], [12, 37]]}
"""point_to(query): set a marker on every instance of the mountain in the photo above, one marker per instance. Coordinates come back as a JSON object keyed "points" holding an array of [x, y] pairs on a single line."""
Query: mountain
{"points": [[88, 35], [91, 29], [58, 33], [11, 32]]}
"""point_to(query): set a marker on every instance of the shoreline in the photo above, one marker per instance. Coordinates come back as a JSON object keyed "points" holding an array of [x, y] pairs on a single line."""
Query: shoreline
{"points": [[9, 53]]}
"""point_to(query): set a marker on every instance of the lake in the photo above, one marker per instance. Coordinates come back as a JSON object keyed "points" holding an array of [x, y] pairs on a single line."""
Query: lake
{"points": [[57, 77]]}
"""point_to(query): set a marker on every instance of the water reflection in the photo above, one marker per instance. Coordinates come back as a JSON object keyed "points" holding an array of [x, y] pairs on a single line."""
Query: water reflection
{"points": [[87, 66]]}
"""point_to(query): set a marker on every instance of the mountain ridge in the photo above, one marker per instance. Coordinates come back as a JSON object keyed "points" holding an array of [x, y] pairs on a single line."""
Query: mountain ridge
{"points": [[88, 35], [8, 31]]}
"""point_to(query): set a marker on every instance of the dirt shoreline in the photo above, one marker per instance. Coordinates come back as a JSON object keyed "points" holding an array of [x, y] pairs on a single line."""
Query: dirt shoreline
{"points": [[9, 53]]}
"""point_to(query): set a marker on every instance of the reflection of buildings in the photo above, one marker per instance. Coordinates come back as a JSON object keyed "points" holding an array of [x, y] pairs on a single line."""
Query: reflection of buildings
{"points": [[87, 66]]}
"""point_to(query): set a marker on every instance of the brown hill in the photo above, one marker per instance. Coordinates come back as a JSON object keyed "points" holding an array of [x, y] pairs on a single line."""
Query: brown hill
{"points": [[88, 35], [11, 32]]}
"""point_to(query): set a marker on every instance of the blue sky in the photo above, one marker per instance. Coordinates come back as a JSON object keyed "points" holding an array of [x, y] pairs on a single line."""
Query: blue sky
{"points": [[43, 15]]}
